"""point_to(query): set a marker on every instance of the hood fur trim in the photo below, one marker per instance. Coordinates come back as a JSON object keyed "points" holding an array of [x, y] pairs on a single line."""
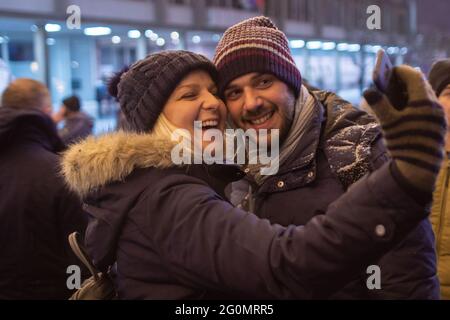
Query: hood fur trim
{"points": [[96, 161]]}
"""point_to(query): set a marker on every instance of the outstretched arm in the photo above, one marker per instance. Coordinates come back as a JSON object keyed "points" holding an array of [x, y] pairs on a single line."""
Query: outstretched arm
{"points": [[209, 244]]}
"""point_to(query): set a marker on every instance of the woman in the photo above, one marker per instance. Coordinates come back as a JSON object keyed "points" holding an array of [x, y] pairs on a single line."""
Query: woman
{"points": [[168, 226]]}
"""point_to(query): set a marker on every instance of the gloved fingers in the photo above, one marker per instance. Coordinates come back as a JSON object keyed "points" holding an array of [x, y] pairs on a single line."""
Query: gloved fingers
{"points": [[380, 105], [415, 82]]}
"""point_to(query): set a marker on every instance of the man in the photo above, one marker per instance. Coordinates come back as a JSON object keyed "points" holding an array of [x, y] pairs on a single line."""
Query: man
{"points": [[439, 78], [77, 124], [326, 146], [37, 212]]}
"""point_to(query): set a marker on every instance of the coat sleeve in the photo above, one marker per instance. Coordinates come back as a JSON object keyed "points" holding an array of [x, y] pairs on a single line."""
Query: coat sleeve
{"points": [[206, 243], [378, 153], [408, 270]]}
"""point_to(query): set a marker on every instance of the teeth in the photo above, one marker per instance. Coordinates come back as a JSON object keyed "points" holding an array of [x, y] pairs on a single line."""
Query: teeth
{"points": [[262, 119], [210, 123]]}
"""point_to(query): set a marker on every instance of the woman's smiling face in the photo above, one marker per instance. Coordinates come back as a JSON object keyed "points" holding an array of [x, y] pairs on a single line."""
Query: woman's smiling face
{"points": [[195, 98]]}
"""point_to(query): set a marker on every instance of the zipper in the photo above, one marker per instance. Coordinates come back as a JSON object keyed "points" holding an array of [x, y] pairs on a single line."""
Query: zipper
{"points": [[443, 210]]}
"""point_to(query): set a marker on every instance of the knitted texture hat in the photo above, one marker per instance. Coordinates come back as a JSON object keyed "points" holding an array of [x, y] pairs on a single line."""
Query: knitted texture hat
{"points": [[439, 76], [143, 90], [255, 45]]}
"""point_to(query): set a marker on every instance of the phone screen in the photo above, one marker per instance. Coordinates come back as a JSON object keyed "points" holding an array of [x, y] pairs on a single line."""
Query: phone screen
{"points": [[382, 71], [387, 82]]}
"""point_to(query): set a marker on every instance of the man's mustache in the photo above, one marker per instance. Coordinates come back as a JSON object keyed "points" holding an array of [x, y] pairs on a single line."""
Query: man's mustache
{"points": [[254, 114]]}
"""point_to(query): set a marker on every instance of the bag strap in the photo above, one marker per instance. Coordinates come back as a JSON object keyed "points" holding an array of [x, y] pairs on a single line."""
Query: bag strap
{"points": [[80, 252]]}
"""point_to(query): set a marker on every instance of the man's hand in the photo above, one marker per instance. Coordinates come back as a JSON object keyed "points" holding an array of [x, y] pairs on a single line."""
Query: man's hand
{"points": [[414, 133]]}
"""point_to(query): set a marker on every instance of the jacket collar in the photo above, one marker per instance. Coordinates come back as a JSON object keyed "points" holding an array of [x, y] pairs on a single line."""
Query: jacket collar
{"points": [[19, 125]]}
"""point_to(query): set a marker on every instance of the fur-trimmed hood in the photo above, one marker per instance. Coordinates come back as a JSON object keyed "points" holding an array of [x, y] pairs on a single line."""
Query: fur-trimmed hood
{"points": [[97, 161], [114, 174]]}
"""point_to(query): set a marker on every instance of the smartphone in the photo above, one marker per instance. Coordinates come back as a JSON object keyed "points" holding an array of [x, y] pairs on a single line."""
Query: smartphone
{"points": [[387, 82], [382, 72]]}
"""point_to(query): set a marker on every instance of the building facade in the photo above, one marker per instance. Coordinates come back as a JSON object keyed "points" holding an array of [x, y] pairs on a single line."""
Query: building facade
{"points": [[75, 45]]}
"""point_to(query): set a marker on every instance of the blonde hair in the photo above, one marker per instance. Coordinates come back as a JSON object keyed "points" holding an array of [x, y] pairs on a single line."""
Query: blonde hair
{"points": [[163, 130]]}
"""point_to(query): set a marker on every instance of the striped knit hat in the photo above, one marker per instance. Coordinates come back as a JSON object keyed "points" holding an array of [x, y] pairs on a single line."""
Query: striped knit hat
{"points": [[143, 90], [255, 45]]}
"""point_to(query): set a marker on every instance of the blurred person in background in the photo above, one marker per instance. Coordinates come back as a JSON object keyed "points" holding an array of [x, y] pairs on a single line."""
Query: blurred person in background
{"points": [[100, 95], [439, 78], [37, 211], [77, 124], [106, 105]]}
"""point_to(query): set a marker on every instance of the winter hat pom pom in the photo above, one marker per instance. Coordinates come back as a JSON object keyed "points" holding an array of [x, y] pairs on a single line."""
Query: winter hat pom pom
{"points": [[113, 82]]}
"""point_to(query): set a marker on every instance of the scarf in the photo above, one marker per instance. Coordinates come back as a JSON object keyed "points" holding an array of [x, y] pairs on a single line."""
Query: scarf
{"points": [[303, 113]]}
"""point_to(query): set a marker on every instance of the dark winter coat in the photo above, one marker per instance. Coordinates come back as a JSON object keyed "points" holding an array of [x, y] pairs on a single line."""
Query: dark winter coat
{"points": [[174, 236], [37, 211], [340, 146]]}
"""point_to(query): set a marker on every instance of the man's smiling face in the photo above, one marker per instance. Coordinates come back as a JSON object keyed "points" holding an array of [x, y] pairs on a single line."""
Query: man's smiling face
{"points": [[260, 101]]}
